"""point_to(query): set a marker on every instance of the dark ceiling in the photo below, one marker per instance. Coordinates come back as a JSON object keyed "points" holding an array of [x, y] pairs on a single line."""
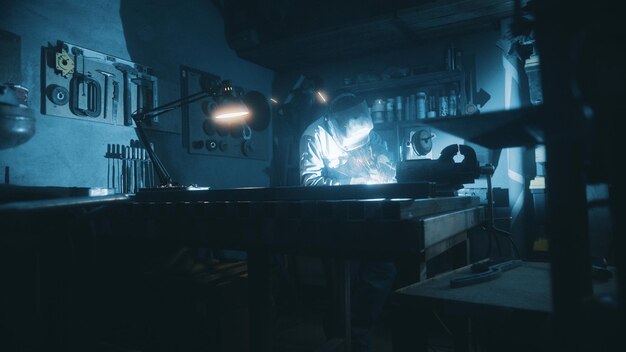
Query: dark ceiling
{"points": [[289, 34]]}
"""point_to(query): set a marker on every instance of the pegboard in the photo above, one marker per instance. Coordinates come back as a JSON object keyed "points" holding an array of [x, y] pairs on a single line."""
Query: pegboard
{"points": [[85, 84], [249, 140]]}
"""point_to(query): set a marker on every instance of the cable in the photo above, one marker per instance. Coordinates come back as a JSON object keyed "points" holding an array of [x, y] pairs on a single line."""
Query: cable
{"points": [[509, 236], [442, 323], [491, 228]]}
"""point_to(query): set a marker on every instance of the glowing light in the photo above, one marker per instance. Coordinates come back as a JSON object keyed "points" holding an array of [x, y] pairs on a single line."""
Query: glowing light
{"points": [[230, 111], [274, 100], [231, 115], [322, 96]]}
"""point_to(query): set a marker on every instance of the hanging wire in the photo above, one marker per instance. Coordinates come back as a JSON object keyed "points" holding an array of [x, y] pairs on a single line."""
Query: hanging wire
{"points": [[491, 229]]}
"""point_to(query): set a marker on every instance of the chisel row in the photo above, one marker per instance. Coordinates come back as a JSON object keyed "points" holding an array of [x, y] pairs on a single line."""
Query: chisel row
{"points": [[129, 168]]}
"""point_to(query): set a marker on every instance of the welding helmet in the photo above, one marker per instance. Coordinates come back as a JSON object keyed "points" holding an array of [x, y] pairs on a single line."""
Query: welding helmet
{"points": [[349, 121]]}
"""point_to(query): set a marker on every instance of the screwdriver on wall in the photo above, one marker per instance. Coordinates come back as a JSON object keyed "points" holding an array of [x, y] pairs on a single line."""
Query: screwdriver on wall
{"points": [[108, 157], [118, 153]]}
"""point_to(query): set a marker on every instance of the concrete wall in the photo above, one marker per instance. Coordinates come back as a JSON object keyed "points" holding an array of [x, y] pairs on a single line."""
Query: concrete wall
{"points": [[159, 34]]}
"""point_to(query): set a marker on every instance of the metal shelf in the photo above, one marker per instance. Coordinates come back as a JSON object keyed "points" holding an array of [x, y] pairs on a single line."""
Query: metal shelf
{"points": [[501, 129], [396, 84]]}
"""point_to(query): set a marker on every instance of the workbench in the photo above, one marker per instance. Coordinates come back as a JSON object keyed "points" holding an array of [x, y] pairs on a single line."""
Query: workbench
{"points": [[344, 222], [519, 300]]}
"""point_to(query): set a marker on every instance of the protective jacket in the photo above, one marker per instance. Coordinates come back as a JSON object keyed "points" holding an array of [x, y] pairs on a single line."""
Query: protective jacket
{"points": [[324, 160]]}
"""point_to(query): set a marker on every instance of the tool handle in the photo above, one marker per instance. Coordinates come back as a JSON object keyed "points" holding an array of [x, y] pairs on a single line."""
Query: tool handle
{"points": [[494, 272], [475, 278]]}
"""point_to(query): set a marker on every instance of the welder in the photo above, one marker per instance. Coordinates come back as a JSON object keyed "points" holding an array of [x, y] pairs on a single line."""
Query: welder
{"points": [[341, 148]]}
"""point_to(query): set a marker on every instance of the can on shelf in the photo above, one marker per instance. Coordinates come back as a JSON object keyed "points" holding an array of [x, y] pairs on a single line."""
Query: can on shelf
{"points": [[390, 114], [378, 111], [399, 111], [420, 103]]}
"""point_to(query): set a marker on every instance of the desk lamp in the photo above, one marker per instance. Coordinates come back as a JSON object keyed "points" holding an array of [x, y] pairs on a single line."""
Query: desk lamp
{"points": [[229, 109]]}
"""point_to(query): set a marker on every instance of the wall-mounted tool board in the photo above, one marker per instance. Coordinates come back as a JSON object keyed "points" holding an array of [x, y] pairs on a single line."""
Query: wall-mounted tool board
{"points": [[85, 84], [202, 136]]}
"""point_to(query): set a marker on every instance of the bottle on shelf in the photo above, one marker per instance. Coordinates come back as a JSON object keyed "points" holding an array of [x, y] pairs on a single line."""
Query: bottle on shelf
{"points": [[452, 103], [443, 105], [432, 107], [420, 105]]}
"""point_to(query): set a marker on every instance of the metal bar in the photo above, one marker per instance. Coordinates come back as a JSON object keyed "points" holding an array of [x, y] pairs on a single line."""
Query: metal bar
{"points": [[441, 227], [46, 204], [566, 210], [141, 116], [340, 305], [164, 176], [261, 334], [406, 191]]}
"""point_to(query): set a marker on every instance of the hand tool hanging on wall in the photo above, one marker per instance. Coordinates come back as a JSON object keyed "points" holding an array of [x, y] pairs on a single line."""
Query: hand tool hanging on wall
{"points": [[118, 154], [68, 84], [115, 99], [113, 169], [144, 169], [64, 63], [128, 168], [57, 94], [127, 71], [91, 104], [107, 76], [145, 91], [108, 156]]}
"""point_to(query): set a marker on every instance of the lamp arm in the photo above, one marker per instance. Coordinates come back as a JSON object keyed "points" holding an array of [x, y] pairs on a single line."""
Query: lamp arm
{"points": [[164, 177], [140, 116]]}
